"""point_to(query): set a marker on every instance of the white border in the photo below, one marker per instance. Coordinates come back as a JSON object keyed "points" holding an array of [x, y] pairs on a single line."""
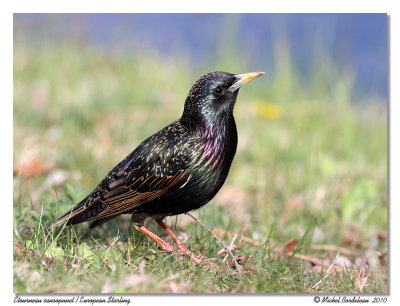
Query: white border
{"points": [[248, 6]]}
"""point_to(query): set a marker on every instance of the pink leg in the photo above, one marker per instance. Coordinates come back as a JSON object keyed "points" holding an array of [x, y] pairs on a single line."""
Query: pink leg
{"points": [[165, 245], [183, 250]]}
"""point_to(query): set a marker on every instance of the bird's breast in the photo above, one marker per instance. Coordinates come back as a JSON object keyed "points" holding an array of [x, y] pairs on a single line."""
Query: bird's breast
{"points": [[215, 156]]}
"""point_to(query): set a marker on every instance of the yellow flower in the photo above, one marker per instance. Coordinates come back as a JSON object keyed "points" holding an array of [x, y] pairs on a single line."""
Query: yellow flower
{"points": [[268, 110]]}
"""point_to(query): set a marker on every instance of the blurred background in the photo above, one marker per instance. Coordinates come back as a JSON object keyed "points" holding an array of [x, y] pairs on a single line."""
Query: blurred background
{"points": [[354, 44], [88, 88]]}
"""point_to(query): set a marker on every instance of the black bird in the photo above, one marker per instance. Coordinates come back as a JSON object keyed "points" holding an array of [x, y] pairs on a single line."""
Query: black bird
{"points": [[176, 170]]}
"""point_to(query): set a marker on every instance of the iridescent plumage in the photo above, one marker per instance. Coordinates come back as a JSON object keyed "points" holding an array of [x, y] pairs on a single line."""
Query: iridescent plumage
{"points": [[176, 170]]}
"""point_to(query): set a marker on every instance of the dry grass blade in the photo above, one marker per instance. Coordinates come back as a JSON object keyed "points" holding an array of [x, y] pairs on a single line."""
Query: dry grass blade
{"points": [[248, 240], [312, 259], [361, 279], [331, 248], [219, 240], [325, 276], [376, 267]]}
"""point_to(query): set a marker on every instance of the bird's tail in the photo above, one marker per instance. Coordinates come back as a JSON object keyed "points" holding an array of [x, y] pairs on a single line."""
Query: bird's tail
{"points": [[67, 217]]}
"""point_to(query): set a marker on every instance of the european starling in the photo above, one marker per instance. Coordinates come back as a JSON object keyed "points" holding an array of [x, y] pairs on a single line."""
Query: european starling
{"points": [[176, 170]]}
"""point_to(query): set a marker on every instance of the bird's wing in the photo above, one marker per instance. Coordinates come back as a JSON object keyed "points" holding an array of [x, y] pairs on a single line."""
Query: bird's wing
{"points": [[138, 179], [138, 187]]}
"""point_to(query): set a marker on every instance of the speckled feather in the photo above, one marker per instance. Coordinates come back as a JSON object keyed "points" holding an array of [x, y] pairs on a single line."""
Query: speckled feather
{"points": [[176, 170]]}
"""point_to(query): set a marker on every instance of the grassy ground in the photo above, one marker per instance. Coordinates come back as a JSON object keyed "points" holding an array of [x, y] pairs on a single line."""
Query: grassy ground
{"points": [[305, 199]]}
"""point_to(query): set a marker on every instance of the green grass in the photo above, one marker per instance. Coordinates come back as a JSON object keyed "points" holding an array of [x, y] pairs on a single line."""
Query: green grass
{"points": [[310, 166]]}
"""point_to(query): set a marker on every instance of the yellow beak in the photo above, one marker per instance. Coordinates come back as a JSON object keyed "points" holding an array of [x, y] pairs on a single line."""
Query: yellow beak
{"points": [[243, 79]]}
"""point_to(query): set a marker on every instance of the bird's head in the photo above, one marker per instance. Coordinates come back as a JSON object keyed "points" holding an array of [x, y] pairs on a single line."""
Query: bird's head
{"points": [[211, 99]]}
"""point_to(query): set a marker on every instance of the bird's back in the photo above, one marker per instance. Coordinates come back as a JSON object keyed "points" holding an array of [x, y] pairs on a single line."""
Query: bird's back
{"points": [[176, 170]]}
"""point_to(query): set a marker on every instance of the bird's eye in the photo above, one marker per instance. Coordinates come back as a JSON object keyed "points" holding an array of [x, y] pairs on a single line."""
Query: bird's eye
{"points": [[218, 91]]}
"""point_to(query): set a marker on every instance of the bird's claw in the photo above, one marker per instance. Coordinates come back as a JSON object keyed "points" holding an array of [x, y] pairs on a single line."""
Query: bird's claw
{"points": [[186, 252]]}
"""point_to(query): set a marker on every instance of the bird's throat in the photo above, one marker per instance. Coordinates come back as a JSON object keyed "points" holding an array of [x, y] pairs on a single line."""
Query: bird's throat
{"points": [[219, 141]]}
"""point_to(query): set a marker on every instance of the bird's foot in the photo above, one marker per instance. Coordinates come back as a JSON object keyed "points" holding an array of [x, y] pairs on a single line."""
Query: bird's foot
{"points": [[184, 252], [194, 258]]}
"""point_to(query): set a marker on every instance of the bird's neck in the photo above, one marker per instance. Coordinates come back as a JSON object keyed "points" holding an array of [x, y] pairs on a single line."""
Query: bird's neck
{"points": [[219, 130], [219, 140]]}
